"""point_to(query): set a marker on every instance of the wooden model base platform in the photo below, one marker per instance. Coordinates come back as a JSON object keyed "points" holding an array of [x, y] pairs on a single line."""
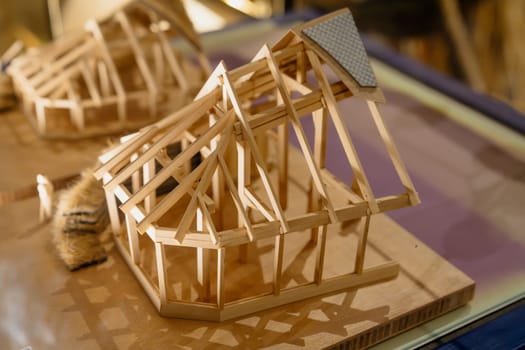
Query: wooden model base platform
{"points": [[425, 287]]}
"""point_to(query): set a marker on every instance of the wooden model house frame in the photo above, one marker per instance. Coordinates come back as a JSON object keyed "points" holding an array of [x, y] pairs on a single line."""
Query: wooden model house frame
{"points": [[119, 74], [237, 196]]}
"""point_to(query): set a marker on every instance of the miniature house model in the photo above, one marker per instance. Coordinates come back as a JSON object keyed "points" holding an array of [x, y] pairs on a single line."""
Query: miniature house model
{"points": [[119, 74], [216, 246]]}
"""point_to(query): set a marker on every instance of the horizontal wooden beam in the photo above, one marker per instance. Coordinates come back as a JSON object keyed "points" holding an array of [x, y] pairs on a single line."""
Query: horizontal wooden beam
{"points": [[374, 274], [191, 239], [303, 105], [237, 236]]}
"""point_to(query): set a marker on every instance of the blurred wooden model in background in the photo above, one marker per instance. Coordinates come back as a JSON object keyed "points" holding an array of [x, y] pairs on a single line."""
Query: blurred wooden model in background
{"points": [[119, 74], [7, 92], [244, 195]]}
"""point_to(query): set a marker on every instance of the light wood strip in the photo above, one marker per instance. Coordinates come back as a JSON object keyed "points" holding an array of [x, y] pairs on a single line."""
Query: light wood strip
{"points": [[208, 219], [160, 255], [256, 202], [399, 165], [221, 257], [361, 245], [278, 264], [165, 204]]}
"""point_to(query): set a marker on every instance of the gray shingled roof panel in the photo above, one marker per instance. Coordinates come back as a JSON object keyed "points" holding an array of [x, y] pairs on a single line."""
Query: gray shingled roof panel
{"points": [[339, 37]]}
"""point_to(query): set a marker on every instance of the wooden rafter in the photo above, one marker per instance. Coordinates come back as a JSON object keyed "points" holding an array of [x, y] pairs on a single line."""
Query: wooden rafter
{"points": [[399, 165], [204, 181], [178, 161]]}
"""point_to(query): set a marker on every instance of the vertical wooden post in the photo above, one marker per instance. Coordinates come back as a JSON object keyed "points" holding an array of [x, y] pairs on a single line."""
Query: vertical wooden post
{"points": [[217, 180], [203, 271], [361, 246], [161, 272], [278, 264], [203, 261], [243, 180], [40, 115], [319, 258], [133, 239], [135, 178], [398, 163], [148, 174], [221, 255], [320, 118], [282, 155], [76, 112], [262, 143], [301, 67], [103, 78], [89, 79]]}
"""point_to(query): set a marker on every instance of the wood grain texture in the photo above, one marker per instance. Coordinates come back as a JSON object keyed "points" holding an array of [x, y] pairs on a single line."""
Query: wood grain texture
{"points": [[104, 305]]}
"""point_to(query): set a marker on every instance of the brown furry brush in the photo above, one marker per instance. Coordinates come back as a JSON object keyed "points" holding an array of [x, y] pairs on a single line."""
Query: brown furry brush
{"points": [[81, 216]]}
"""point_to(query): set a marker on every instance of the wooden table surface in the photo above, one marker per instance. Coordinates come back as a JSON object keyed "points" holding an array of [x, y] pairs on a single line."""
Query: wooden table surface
{"points": [[473, 194]]}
